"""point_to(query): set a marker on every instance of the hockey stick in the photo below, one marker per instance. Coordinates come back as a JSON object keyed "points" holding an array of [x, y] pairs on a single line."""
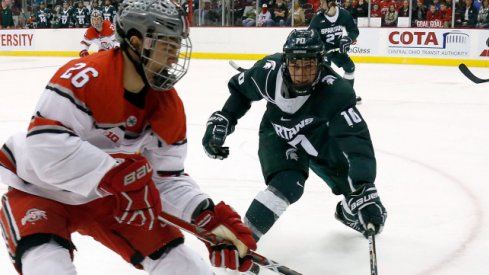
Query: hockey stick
{"points": [[465, 70], [241, 69], [208, 237], [236, 66], [372, 250]]}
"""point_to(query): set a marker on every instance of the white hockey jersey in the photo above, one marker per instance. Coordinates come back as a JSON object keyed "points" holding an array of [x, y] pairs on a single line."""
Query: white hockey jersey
{"points": [[105, 39], [82, 117]]}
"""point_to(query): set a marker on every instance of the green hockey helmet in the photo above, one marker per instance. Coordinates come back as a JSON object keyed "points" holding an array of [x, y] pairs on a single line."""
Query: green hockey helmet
{"points": [[303, 54]]}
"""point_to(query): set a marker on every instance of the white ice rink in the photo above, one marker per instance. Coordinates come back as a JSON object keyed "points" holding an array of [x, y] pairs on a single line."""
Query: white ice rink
{"points": [[430, 128]]}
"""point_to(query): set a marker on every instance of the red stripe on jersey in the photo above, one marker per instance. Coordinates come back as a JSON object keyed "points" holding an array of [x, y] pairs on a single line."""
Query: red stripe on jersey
{"points": [[41, 121], [6, 162]]}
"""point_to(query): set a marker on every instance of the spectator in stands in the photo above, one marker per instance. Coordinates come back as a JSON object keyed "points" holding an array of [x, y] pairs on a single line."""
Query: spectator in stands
{"points": [[384, 6], [375, 12], [404, 10], [347, 5], [437, 4], [280, 13], [445, 15], [264, 17], [353, 10], [249, 16], [7, 19], [31, 22], [432, 13], [43, 17], [482, 18], [361, 10], [309, 12], [466, 14], [95, 6], [419, 12], [64, 16], [16, 7], [236, 12], [206, 16], [390, 18], [298, 15], [81, 16], [316, 4], [109, 11]]}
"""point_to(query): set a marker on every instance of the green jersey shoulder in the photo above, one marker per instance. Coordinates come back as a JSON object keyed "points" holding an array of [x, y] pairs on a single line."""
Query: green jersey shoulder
{"points": [[264, 80]]}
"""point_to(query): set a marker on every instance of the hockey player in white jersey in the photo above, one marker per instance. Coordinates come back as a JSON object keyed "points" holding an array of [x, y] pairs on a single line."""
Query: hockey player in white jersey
{"points": [[101, 33], [103, 156]]}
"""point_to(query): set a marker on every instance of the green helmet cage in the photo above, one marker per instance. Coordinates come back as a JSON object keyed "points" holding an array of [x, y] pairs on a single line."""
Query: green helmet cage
{"points": [[302, 44]]}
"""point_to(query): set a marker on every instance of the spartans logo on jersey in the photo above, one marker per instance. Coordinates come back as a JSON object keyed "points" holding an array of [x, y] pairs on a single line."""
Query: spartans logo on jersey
{"points": [[329, 79], [270, 65]]}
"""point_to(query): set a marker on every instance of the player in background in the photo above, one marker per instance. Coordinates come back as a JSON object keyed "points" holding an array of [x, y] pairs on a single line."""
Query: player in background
{"points": [[310, 122], [101, 33], [105, 150], [330, 21]]}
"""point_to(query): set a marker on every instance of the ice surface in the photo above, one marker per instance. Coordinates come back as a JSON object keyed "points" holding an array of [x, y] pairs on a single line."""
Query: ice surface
{"points": [[430, 128]]}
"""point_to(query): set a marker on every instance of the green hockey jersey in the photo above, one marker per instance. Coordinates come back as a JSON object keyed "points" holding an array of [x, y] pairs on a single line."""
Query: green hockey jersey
{"points": [[325, 124], [331, 28]]}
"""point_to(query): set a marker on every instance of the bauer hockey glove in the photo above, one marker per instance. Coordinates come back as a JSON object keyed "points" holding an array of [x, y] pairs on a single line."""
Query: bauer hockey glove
{"points": [[83, 53], [137, 198], [345, 43], [362, 207], [218, 128], [226, 224]]}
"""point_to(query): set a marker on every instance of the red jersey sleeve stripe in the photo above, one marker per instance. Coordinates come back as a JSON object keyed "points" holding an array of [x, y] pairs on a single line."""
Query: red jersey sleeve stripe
{"points": [[7, 159], [40, 125]]}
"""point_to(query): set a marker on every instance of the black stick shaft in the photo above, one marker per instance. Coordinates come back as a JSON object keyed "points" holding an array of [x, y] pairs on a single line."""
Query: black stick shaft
{"points": [[372, 249], [203, 235]]}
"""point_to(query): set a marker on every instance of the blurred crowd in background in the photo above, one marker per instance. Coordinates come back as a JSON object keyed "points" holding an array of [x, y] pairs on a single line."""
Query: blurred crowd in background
{"points": [[262, 13]]}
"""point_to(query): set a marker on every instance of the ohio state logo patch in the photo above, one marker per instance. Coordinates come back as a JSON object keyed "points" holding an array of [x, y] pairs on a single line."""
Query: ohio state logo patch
{"points": [[33, 215], [131, 121]]}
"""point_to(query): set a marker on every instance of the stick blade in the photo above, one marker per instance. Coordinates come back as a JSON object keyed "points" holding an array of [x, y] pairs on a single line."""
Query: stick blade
{"points": [[465, 70]]}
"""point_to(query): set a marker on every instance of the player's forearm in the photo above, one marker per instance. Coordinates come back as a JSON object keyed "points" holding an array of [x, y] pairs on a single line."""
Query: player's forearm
{"points": [[236, 106], [65, 162]]}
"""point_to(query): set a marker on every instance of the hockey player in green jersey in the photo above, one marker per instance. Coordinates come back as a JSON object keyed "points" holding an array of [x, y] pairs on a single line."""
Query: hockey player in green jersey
{"points": [[310, 122], [329, 21]]}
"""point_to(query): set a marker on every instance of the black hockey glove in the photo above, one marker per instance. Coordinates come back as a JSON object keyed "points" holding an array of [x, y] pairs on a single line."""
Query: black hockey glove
{"points": [[345, 43], [365, 205], [218, 128]]}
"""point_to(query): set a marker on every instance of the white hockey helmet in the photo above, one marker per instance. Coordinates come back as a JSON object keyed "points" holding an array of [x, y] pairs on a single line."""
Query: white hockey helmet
{"points": [[156, 21], [96, 19]]}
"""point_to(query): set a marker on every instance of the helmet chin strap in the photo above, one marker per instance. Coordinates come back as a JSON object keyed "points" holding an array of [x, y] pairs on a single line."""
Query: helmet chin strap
{"points": [[136, 59]]}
